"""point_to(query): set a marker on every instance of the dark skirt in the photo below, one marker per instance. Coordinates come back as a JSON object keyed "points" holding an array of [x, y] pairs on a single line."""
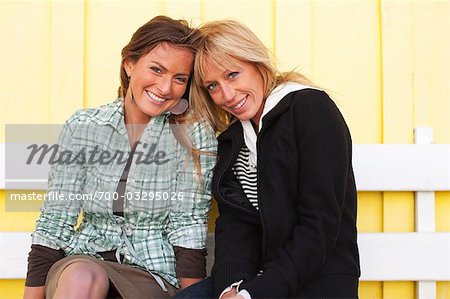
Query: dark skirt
{"points": [[125, 281]]}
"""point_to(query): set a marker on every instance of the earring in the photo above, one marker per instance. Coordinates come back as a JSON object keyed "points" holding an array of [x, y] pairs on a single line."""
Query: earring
{"points": [[131, 96], [180, 107], [131, 92]]}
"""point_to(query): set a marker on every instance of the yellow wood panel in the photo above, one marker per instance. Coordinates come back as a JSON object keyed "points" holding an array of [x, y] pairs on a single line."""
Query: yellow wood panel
{"points": [[16, 221], [370, 290], [397, 67], [398, 211], [442, 211], [257, 14], [25, 28], [109, 27], [370, 212], [186, 9], [11, 288], [430, 50], [399, 289], [443, 290], [293, 36], [67, 59], [345, 60], [415, 70]]}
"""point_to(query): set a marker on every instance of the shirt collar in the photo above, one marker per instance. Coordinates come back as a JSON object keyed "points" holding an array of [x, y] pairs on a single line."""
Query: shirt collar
{"points": [[272, 100]]}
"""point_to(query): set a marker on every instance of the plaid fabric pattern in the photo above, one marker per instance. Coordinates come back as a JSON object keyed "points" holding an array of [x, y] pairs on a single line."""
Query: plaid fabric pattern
{"points": [[165, 202]]}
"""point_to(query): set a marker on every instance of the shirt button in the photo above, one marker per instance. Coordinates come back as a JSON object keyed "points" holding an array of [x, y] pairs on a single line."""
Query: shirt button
{"points": [[128, 231]]}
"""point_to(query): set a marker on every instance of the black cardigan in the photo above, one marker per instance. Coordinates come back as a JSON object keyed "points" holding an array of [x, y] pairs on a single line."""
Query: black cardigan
{"points": [[304, 234]]}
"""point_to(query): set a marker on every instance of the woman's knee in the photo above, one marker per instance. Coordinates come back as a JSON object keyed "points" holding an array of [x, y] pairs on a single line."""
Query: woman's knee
{"points": [[82, 279]]}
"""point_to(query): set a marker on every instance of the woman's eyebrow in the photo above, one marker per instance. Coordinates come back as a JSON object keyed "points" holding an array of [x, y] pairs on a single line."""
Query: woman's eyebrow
{"points": [[165, 69]]}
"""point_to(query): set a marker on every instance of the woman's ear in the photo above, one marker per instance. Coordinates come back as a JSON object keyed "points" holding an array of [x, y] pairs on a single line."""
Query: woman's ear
{"points": [[128, 65]]}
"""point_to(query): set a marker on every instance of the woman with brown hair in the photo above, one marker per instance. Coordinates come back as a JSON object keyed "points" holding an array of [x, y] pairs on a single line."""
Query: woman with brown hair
{"points": [[140, 171]]}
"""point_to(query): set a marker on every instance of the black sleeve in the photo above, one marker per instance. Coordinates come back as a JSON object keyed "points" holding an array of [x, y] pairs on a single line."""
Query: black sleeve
{"points": [[324, 153], [237, 248]]}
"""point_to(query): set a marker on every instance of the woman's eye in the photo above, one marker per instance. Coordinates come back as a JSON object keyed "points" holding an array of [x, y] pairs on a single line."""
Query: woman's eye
{"points": [[156, 69], [211, 86], [181, 79], [233, 75]]}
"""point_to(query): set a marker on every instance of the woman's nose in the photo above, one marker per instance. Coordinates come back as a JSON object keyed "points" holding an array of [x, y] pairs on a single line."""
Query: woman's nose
{"points": [[164, 86], [228, 92]]}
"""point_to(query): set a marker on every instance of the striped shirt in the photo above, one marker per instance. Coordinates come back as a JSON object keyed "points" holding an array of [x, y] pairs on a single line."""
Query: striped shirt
{"points": [[247, 175], [164, 203]]}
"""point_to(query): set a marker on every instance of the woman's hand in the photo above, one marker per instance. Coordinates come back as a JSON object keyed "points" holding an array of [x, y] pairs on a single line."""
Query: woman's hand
{"points": [[236, 296], [186, 282], [231, 294]]}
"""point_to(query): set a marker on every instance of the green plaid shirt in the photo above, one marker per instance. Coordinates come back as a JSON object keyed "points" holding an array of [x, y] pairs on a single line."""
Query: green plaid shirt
{"points": [[165, 202]]}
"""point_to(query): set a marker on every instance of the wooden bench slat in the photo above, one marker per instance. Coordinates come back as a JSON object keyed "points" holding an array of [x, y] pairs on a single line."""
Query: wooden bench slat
{"points": [[402, 167], [378, 167], [384, 256]]}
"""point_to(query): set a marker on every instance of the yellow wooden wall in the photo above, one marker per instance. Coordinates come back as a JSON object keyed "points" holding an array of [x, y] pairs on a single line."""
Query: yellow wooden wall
{"points": [[385, 62]]}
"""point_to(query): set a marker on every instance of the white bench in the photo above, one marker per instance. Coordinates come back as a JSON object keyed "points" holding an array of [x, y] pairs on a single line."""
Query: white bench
{"points": [[422, 256]]}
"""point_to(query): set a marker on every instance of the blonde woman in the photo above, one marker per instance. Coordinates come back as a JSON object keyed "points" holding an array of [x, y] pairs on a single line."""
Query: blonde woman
{"points": [[284, 181]]}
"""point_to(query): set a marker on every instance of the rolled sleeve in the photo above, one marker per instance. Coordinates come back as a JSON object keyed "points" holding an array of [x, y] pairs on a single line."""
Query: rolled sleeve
{"points": [[190, 262]]}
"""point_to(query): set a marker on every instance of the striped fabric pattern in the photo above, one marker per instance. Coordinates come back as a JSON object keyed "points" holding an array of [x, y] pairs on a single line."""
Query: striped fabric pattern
{"points": [[247, 176]]}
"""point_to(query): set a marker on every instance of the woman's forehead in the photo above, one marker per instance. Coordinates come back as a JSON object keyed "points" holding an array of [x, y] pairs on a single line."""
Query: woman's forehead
{"points": [[223, 62]]}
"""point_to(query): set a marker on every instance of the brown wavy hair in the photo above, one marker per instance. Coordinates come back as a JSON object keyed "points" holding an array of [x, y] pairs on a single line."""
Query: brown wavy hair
{"points": [[158, 30], [162, 29]]}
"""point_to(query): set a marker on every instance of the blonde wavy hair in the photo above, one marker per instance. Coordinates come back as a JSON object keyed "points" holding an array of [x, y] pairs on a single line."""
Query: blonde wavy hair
{"points": [[222, 40]]}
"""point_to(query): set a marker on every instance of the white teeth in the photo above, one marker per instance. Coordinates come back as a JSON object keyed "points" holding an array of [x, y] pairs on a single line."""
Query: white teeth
{"points": [[240, 104], [155, 97]]}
